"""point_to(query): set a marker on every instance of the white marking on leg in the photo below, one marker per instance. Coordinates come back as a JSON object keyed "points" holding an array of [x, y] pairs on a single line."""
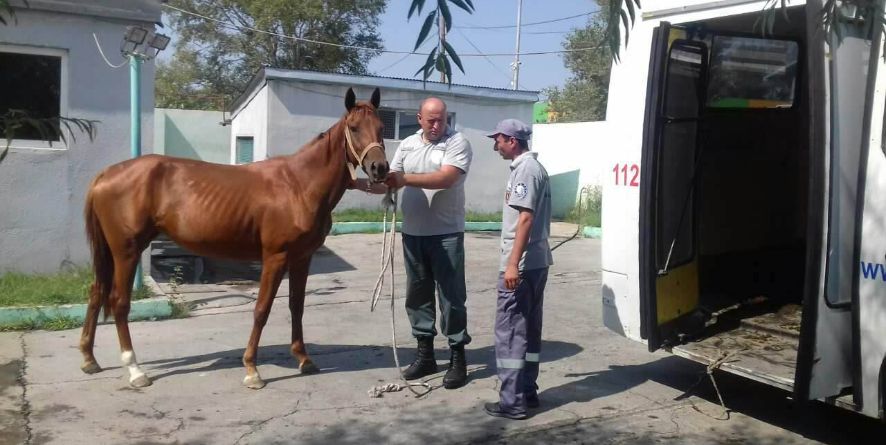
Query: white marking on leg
{"points": [[128, 358]]}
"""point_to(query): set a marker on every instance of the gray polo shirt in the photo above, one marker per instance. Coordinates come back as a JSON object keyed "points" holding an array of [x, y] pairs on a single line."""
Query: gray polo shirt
{"points": [[529, 188], [433, 212]]}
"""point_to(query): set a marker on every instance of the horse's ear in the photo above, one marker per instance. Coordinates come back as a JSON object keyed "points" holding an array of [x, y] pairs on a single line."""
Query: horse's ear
{"points": [[376, 98], [350, 99]]}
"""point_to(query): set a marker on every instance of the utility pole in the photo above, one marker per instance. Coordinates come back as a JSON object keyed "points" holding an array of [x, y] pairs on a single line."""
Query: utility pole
{"points": [[516, 64], [442, 27]]}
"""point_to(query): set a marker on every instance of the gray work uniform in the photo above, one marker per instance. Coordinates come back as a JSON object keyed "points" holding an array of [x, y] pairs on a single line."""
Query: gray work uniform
{"points": [[433, 236], [518, 319]]}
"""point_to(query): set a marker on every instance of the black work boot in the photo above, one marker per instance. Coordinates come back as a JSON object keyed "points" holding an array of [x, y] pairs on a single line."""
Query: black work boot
{"points": [[424, 363], [457, 374]]}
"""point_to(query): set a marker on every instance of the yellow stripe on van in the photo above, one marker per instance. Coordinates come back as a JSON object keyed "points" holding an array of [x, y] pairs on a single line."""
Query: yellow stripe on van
{"points": [[677, 292]]}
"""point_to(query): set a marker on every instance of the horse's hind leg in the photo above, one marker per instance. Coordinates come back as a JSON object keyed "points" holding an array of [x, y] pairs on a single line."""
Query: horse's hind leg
{"points": [[124, 272], [87, 337], [298, 277], [273, 267]]}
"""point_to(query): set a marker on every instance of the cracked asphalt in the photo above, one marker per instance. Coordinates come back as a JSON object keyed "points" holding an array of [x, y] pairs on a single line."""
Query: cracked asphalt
{"points": [[596, 387]]}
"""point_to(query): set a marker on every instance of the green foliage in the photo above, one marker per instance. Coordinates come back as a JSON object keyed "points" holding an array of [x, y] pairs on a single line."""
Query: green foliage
{"points": [[50, 128], [6, 8], [66, 287], [621, 17], [583, 97], [438, 58], [215, 59], [588, 208]]}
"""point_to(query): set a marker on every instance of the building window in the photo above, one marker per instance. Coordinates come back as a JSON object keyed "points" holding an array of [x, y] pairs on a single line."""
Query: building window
{"points": [[33, 81], [400, 124], [244, 149]]}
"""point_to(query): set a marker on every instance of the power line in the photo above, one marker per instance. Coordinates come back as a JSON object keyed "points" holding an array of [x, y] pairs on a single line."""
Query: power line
{"points": [[364, 48], [487, 58], [393, 64], [532, 23]]}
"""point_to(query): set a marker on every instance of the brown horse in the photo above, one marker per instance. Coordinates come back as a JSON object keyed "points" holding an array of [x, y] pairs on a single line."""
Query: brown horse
{"points": [[278, 210]]}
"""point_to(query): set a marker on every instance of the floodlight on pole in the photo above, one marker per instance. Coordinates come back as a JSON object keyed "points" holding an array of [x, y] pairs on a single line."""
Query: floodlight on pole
{"points": [[136, 49]]}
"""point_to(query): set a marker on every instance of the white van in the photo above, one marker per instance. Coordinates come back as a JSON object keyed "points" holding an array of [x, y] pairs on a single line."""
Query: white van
{"points": [[745, 224]]}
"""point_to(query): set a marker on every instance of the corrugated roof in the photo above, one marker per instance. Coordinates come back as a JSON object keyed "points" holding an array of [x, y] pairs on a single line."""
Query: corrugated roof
{"points": [[137, 10], [382, 82]]}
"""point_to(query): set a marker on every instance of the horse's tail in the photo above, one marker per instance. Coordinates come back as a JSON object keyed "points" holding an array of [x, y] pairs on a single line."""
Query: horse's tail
{"points": [[102, 261]]}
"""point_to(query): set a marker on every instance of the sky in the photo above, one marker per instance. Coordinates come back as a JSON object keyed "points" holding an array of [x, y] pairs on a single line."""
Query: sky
{"points": [[491, 29]]}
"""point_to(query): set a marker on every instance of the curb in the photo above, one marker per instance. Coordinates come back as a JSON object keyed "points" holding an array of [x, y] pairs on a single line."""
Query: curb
{"points": [[592, 232], [342, 228], [151, 308]]}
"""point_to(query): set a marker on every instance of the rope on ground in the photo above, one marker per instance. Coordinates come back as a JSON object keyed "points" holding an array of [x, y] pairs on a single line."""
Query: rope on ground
{"points": [[584, 190], [709, 370], [387, 262]]}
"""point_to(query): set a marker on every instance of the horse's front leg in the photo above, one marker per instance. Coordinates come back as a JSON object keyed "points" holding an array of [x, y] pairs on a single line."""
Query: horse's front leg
{"points": [[298, 277], [273, 267]]}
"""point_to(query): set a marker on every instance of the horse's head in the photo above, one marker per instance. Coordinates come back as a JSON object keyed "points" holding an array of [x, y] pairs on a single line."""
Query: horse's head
{"points": [[363, 132]]}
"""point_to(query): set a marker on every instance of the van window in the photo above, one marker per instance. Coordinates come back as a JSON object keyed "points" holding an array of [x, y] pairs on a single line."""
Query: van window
{"points": [[752, 73]]}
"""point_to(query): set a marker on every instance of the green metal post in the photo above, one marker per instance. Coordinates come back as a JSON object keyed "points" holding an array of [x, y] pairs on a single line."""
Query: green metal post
{"points": [[135, 114]]}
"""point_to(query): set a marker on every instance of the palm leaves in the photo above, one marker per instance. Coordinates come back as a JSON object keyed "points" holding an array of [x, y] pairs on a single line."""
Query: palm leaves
{"points": [[438, 58], [49, 128], [6, 8], [621, 13]]}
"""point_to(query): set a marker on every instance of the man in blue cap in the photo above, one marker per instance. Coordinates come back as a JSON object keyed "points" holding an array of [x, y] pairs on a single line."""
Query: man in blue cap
{"points": [[523, 271]]}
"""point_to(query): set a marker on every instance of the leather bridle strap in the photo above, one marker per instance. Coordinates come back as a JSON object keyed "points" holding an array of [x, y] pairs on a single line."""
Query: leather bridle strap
{"points": [[352, 168]]}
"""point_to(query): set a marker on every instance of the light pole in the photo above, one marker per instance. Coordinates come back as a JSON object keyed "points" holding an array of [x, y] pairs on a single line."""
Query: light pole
{"points": [[139, 44]]}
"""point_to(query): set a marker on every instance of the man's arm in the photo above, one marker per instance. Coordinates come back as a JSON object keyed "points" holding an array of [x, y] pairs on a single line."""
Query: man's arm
{"points": [[441, 179], [369, 187], [512, 270]]}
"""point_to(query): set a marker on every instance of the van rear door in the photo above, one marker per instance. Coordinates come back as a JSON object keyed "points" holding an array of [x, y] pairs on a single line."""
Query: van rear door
{"points": [[669, 286], [869, 304]]}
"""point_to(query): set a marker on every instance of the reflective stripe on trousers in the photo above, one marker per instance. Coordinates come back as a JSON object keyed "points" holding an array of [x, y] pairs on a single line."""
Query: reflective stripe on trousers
{"points": [[518, 323]]}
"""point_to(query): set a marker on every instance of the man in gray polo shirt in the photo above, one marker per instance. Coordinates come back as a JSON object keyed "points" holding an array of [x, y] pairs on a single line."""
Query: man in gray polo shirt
{"points": [[525, 259], [431, 167]]}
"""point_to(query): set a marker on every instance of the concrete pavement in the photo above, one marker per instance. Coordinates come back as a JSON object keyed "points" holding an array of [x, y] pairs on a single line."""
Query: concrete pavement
{"points": [[596, 387]]}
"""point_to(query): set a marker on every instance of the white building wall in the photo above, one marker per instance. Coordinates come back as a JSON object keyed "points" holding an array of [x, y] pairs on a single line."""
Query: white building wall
{"points": [[298, 111], [42, 190], [582, 147], [252, 121]]}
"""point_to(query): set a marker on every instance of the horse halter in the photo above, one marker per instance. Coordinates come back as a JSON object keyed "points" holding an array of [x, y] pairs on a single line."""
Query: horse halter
{"points": [[359, 157]]}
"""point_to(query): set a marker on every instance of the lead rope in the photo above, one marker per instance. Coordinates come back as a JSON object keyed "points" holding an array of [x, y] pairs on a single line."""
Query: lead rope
{"points": [[387, 262]]}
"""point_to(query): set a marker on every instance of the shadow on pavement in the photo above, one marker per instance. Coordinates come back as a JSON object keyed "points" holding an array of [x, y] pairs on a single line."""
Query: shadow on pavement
{"points": [[750, 398], [342, 358], [190, 268]]}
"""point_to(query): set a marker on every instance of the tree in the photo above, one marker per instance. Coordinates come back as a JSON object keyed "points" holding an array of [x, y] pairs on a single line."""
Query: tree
{"points": [[583, 97], [438, 58], [217, 55]]}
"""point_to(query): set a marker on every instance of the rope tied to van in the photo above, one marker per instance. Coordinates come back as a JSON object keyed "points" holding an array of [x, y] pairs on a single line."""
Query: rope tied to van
{"points": [[389, 202]]}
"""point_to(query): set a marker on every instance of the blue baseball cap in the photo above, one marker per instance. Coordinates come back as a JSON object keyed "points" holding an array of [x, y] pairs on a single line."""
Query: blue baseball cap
{"points": [[513, 128]]}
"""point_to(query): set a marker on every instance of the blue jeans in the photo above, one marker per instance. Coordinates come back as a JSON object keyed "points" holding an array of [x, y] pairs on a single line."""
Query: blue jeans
{"points": [[436, 263]]}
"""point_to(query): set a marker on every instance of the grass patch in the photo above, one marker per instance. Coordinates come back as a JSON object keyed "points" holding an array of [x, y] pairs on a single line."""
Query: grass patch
{"points": [[66, 287], [377, 215], [50, 324], [586, 211]]}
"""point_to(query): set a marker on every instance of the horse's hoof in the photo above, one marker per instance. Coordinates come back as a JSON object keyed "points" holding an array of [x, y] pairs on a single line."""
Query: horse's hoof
{"points": [[91, 368], [308, 367], [141, 381], [253, 382]]}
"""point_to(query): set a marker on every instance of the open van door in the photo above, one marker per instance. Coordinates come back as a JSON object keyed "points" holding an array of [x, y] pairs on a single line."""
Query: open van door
{"points": [[669, 286], [839, 96], [869, 302]]}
